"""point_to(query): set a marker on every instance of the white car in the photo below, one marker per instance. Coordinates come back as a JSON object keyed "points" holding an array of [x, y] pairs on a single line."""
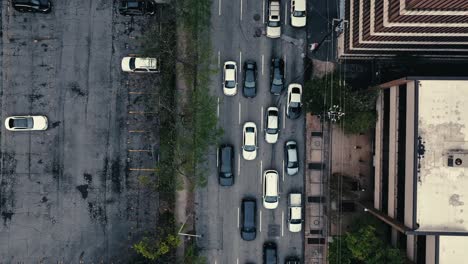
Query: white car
{"points": [[136, 64], [270, 189], [249, 139], [295, 212], [272, 125], [294, 104], [273, 28], [298, 13], [230, 78], [26, 123]]}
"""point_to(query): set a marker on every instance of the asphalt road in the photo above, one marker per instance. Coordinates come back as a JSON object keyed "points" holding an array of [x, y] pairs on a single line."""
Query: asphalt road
{"points": [[68, 194], [237, 32]]}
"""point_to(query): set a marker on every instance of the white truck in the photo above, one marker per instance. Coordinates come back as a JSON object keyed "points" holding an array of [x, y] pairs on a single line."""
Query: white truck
{"points": [[295, 212], [273, 28]]}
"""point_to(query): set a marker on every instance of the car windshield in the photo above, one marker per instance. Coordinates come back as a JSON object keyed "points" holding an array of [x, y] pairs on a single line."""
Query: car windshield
{"points": [[229, 84], [132, 63], [273, 24], [299, 14], [271, 199], [294, 105], [292, 164], [271, 130], [296, 221], [249, 148]]}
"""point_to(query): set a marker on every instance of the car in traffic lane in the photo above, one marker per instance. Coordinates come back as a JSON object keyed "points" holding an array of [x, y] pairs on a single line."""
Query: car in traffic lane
{"points": [[26, 123], [225, 166], [250, 79], [298, 13], [292, 158], [230, 78], [248, 219], [270, 253], [273, 29], [270, 189], [249, 141], [272, 125], [277, 76], [294, 103]]}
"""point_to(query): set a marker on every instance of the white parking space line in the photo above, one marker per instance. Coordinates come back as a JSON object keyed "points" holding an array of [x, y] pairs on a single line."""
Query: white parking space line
{"points": [[217, 157], [263, 62], [263, 11], [261, 118], [219, 59], [239, 113], [217, 110], [283, 170], [219, 7], [240, 61], [260, 225], [284, 117], [238, 165], [261, 170], [238, 217], [241, 10], [282, 223], [286, 13]]}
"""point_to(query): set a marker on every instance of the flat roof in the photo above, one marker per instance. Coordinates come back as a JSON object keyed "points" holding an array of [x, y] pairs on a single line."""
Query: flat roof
{"points": [[452, 249], [442, 191]]}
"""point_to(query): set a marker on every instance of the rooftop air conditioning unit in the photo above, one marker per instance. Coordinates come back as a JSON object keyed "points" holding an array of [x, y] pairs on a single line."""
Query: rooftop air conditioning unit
{"points": [[458, 160]]}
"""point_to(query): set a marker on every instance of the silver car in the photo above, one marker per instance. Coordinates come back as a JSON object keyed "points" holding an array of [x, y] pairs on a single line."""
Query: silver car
{"points": [[291, 156]]}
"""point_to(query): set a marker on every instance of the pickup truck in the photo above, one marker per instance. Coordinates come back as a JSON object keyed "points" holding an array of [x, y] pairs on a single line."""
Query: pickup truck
{"points": [[295, 212], [273, 29]]}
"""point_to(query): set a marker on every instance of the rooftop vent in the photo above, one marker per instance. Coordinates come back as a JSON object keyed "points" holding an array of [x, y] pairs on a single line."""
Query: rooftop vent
{"points": [[459, 159]]}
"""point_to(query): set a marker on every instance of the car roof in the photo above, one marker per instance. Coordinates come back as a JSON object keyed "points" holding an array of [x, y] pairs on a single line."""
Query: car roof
{"points": [[292, 155], [272, 120], [230, 74], [271, 182], [296, 213], [249, 212], [300, 5], [145, 62]]}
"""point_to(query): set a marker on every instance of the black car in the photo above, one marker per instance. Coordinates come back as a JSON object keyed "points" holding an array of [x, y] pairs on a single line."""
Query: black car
{"points": [[292, 260], [248, 219], [137, 7], [270, 254], [226, 155], [250, 79], [277, 76], [40, 6]]}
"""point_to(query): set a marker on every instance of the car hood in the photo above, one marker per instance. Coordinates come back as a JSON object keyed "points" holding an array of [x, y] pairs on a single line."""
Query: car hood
{"points": [[249, 236], [271, 138], [273, 32], [292, 171], [294, 112], [298, 21], [225, 181], [276, 89], [249, 155], [270, 205], [295, 227], [249, 92]]}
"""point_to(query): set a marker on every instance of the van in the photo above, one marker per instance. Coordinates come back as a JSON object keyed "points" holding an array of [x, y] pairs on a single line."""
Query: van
{"points": [[248, 219]]}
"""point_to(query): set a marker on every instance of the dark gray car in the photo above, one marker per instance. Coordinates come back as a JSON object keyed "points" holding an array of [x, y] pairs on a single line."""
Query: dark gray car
{"points": [[36, 6], [137, 7], [225, 166], [270, 253], [250, 79], [277, 76], [248, 219]]}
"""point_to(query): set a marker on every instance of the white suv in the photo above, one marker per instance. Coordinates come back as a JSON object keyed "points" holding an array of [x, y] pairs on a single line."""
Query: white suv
{"points": [[249, 139], [273, 29], [136, 64], [270, 189], [272, 125], [230, 78]]}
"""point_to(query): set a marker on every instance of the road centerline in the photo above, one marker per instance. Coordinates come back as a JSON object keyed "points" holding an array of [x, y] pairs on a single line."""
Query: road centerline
{"points": [[219, 7], [263, 62], [239, 113], [282, 223], [241, 10], [261, 118]]}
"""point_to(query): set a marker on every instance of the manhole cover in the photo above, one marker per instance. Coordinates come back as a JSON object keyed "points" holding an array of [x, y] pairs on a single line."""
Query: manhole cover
{"points": [[274, 230], [257, 17], [258, 32]]}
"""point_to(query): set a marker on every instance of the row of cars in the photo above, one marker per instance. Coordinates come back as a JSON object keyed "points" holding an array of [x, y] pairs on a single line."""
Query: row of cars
{"points": [[298, 16]]}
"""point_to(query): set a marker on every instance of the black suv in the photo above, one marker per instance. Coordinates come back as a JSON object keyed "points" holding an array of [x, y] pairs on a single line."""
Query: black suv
{"points": [[270, 253], [226, 155], [249, 226], [250, 79], [137, 7], [277, 76], [40, 6]]}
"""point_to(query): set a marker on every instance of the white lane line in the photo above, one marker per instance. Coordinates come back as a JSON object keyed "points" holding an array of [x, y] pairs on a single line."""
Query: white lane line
{"points": [[263, 62], [219, 7], [283, 170], [263, 12], [217, 157], [241, 10], [260, 226], [217, 110], [219, 59], [240, 61], [239, 113], [261, 170], [238, 165], [237, 260], [282, 223], [284, 117], [286, 14], [285, 66], [238, 217], [261, 118]]}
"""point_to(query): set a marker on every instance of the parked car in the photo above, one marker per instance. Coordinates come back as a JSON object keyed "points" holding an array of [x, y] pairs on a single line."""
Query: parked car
{"points": [[250, 79], [249, 141], [272, 125], [26, 123], [248, 219], [292, 157], [270, 253], [270, 189], [225, 165], [138, 64], [298, 13], [35, 6], [292, 260], [273, 29], [137, 7], [294, 104], [277, 76], [230, 78], [295, 212]]}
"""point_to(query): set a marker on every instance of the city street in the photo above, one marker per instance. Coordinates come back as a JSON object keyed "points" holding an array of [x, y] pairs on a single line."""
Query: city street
{"points": [[238, 34], [71, 193]]}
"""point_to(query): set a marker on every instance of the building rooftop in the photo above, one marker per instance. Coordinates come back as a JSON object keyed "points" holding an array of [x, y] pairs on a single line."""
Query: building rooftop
{"points": [[442, 190]]}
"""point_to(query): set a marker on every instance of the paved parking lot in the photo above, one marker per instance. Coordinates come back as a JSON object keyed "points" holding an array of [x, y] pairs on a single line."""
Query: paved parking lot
{"points": [[72, 193]]}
